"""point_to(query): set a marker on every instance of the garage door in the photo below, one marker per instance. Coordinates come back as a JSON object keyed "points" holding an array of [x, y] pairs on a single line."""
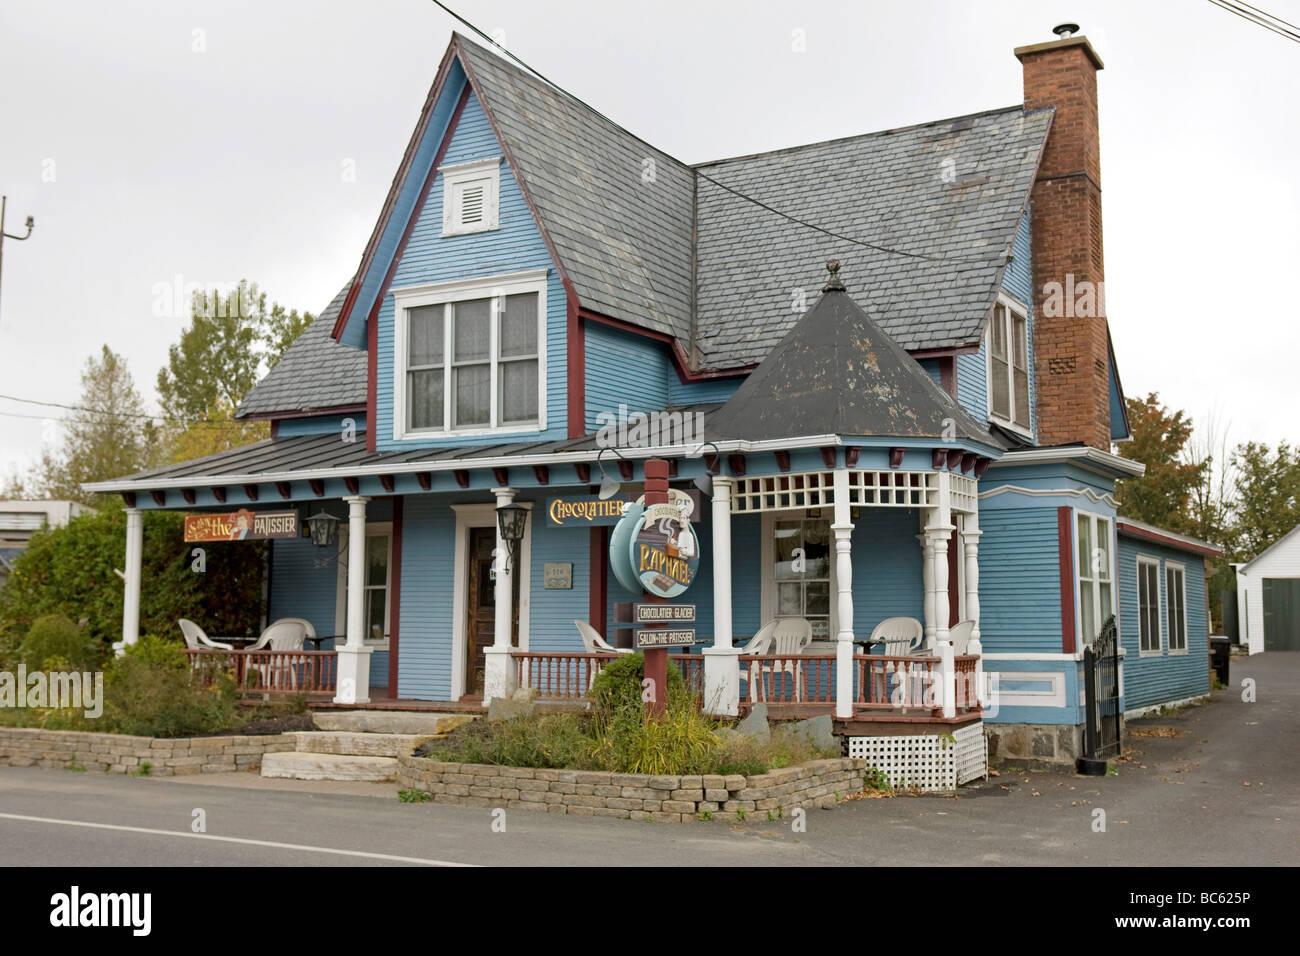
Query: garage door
{"points": [[1282, 614]]}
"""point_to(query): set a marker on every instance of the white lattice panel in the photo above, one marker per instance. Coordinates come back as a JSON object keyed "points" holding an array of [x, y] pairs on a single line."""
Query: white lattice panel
{"points": [[894, 489], [783, 492], [929, 762], [963, 493]]}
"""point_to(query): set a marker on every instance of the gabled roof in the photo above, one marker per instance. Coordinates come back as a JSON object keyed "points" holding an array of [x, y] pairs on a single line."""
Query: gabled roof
{"points": [[315, 373], [641, 237], [836, 372], [1276, 544]]}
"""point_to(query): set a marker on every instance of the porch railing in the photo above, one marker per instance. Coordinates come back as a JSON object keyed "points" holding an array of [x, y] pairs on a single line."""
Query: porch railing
{"points": [[568, 677], [268, 671], [880, 683]]}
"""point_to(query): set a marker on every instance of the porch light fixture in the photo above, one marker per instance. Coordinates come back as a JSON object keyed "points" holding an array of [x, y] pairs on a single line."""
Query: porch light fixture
{"points": [[608, 486], [324, 529], [704, 482], [510, 522]]}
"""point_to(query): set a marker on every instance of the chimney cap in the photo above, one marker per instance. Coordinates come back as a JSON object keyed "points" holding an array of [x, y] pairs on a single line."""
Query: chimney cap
{"points": [[1065, 30]]}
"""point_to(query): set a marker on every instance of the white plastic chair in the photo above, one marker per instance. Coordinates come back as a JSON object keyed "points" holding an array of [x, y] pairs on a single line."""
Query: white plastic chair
{"points": [[960, 635], [790, 637], [760, 643], [900, 635], [594, 643], [195, 639], [286, 634]]}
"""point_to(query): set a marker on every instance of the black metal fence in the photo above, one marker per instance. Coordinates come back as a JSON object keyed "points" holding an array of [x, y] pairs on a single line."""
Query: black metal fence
{"points": [[1101, 687]]}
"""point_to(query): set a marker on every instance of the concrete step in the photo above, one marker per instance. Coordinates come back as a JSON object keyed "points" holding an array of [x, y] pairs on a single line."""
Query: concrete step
{"points": [[389, 721], [347, 742], [311, 766]]}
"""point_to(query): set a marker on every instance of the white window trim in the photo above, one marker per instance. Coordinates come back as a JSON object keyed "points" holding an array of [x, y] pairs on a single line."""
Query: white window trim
{"points": [[443, 293], [373, 529], [483, 516], [1147, 559], [459, 173], [1099, 612], [1182, 575], [1023, 311], [767, 603]]}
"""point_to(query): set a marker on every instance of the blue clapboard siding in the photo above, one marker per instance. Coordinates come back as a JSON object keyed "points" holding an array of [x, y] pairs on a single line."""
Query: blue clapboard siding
{"points": [[301, 589], [627, 369], [710, 390], [934, 368], [1020, 584], [551, 613], [431, 257], [1156, 679], [428, 579], [887, 568], [972, 382], [319, 425]]}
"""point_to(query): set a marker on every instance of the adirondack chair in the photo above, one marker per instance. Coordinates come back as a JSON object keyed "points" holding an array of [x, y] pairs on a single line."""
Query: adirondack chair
{"points": [[286, 634], [195, 639]]}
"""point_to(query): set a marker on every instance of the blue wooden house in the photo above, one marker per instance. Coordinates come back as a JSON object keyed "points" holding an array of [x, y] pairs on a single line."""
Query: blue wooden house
{"points": [[924, 431]]}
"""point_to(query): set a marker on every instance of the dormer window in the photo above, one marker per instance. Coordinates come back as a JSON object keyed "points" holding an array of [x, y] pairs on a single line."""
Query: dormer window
{"points": [[470, 357], [469, 196], [1008, 366]]}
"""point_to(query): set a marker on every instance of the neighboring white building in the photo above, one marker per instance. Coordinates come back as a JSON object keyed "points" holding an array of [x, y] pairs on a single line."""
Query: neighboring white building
{"points": [[1268, 596], [19, 520]]}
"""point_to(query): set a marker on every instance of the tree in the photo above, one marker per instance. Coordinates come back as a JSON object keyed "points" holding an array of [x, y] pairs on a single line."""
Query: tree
{"points": [[1268, 496], [1163, 496], [231, 341], [107, 435]]}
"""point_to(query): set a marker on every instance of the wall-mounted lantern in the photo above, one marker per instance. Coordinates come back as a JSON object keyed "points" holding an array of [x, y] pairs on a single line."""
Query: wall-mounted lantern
{"points": [[510, 522], [324, 529]]}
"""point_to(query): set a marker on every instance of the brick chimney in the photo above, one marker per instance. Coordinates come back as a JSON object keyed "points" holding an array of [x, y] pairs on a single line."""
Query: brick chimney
{"points": [[1071, 344]]}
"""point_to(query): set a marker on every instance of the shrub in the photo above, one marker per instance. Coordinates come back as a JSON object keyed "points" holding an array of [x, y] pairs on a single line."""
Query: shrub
{"points": [[54, 636], [619, 684], [531, 740], [150, 691], [681, 741]]}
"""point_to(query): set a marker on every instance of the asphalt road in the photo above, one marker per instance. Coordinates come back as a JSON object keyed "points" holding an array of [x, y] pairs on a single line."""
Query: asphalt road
{"points": [[1212, 785]]}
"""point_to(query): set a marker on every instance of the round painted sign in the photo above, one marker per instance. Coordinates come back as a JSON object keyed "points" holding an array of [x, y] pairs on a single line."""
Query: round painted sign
{"points": [[664, 552]]}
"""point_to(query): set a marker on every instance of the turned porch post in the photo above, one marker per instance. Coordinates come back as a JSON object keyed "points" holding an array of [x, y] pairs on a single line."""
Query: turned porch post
{"points": [[927, 576], [939, 530], [970, 536], [843, 530], [500, 676], [354, 656], [721, 661]]}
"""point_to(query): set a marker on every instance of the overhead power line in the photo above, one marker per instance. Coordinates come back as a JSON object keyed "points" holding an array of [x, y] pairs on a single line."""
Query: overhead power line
{"points": [[115, 415], [1258, 17]]}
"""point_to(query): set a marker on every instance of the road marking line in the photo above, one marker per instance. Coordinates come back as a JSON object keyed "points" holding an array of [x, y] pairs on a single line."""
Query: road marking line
{"points": [[225, 839]]}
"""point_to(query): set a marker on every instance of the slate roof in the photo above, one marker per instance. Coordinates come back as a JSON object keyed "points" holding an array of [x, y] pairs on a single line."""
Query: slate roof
{"points": [[835, 372], [624, 242], [891, 189], [315, 372]]}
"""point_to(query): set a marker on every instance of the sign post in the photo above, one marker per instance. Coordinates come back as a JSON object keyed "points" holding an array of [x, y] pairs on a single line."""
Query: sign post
{"points": [[656, 658]]}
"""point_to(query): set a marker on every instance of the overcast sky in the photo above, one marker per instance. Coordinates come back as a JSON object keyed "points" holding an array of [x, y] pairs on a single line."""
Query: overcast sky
{"points": [[145, 159]]}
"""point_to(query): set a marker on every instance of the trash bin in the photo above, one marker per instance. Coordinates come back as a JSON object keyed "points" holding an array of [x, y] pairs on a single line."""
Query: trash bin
{"points": [[1220, 651]]}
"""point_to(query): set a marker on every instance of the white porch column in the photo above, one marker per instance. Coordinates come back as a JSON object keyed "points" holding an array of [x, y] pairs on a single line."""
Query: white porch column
{"points": [[500, 677], [843, 530], [131, 597], [927, 576], [354, 656], [970, 537], [939, 530], [721, 661]]}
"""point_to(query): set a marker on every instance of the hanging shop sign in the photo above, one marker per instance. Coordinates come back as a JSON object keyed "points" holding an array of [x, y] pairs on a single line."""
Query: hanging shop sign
{"points": [[241, 525], [654, 548], [665, 613]]}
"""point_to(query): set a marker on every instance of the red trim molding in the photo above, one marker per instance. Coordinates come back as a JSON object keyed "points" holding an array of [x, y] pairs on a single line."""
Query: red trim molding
{"points": [[1127, 529], [576, 370], [1065, 545], [597, 595], [680, 363], [954, 588], [395, 596]]}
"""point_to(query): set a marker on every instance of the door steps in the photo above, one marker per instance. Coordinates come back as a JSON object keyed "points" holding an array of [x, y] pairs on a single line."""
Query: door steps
{"points": [[357, 745]]}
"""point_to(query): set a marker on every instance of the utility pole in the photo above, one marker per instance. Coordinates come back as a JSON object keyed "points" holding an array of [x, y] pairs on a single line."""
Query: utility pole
{"points": [[31, 224]]}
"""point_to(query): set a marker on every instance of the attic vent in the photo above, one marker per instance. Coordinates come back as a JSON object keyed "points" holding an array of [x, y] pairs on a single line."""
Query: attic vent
{"points": [[470, 196]]}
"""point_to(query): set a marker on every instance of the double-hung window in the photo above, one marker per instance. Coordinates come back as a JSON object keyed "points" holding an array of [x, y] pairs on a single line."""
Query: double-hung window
{"points": [[1148, 575], [470, 358], [1096, 574], [1008, 367], [1176, 607]]}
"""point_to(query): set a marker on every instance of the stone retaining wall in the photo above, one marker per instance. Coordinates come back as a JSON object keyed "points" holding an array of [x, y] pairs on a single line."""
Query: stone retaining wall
{"points": [[675, 799], [117, 753]]}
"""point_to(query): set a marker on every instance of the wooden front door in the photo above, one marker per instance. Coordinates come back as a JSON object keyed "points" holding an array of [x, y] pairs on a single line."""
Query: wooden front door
{"points": [[481, 608]]}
